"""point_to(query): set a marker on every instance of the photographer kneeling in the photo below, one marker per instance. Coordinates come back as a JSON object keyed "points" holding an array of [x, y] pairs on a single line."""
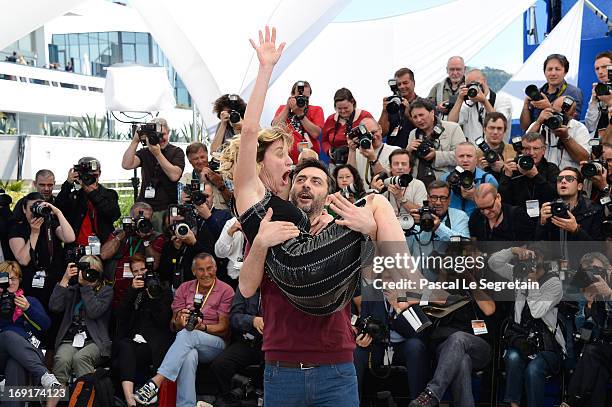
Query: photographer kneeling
{"points": [[143, 318], [587, 387], [21, 320], [535, 342]]}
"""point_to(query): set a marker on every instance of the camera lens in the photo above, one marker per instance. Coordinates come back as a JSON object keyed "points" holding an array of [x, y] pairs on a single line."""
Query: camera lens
{"points": [[533, 92], [592, 169], [472, 91], [234, 117], [490, 156], [525, 162]]}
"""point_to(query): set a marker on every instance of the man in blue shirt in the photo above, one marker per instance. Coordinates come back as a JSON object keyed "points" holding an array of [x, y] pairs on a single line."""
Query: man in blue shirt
{"points": [[462, 198]]}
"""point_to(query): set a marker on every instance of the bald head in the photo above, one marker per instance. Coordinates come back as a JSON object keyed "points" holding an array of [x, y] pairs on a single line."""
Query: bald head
{"points": [[485, 190]]}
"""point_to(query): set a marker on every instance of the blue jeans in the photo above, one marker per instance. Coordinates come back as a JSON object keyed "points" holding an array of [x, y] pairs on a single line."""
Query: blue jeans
{"points": [[531, 373], [328, 385], [181, 362]]}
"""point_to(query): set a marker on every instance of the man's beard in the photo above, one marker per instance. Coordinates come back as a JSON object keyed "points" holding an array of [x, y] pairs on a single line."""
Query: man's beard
{"points": [[314, 208]]}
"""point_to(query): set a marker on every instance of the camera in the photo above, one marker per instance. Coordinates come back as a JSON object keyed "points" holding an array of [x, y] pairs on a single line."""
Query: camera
{"points": [[5, 199], [533, 92], [349, 190], [88, 273], [214, 165], [151, 131], [242, 388], [195, 313], [339, 155], [592, 169], [151, 279], [75, 253], [180, 229], [399, 180], [86, 171], [362, 135], [559, 208], [596, 147], [472, 89], [460, 177], [451, 102], [524, 161], [604, 89], [195, 193], [489, 154], [234, 115], [522, 268], [7, 299], [140, 224], [584, 277], [429, 143], [395, 101], [559, 119], [427, 219], [300, 99], [373, 327], [188, 213], [39, 210]]}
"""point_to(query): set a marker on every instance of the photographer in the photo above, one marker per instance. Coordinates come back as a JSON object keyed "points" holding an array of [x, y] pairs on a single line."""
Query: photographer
{"points": [[568, 144], [44, 181], [395, 120], [464, 184], [373, 160], [22, 319], [143, 335], [475, 100], [304, 120], [534, 340], [82, 340], [597, 112], [556, 67], [338, 126], [197, 154], [348, 182], [518, 185], [92, 209], [231, 245], [201, 308], [572, 217], [587, 386], [162, 166], [247, 325], [136, 237], [230, 111], [495, 129], [441, 137], [443, 94]]}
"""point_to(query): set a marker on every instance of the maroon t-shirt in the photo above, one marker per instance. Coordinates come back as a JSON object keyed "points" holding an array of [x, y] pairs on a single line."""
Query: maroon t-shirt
{"points": [[293, 336]]}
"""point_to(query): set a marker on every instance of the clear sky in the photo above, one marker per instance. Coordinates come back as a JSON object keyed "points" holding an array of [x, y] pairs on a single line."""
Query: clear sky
{"points": [[504, 52]]}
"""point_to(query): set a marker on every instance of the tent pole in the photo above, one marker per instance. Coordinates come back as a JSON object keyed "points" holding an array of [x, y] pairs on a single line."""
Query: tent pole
{"points": [[599, 14]]}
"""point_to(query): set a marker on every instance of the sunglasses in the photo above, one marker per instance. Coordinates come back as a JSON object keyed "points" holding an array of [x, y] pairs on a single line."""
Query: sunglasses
{"points": [[568, 178]]}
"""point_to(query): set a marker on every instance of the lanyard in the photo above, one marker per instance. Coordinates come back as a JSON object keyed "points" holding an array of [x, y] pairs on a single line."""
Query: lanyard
{"points": [[209, 291], [367, 169], [135, 249]]}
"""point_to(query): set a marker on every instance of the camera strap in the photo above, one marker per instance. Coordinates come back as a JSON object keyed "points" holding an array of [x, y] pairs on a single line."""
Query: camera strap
{"points": [[134, 250], [368, 177], [481, 108], [207, 294]]}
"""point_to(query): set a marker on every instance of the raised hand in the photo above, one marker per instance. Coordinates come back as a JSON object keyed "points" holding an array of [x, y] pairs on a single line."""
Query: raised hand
{"points": [[267, 53]]}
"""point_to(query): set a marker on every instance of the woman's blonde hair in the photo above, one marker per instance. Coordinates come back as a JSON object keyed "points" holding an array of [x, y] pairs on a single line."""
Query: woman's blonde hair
{"points": [[94, 262], [8, 266], [265, 138]]}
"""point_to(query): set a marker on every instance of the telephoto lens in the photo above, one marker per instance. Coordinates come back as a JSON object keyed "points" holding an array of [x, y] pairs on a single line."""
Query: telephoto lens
{"points": [[592, 169], [533, 92]]}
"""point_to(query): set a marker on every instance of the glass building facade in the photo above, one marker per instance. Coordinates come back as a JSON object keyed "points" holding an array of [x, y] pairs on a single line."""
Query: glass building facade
{"points": [[90, 53]]}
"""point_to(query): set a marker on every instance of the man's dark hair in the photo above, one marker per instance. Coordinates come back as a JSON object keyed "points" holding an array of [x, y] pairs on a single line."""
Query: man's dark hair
{"points": [[195, 147], [495, 116], [422, 103], [533, 136], [357, 180], [400, 151], [604, 54], [312, 163], [561, 58], [436, 184], [306, 85], [404, 71], [32, 196], [576, 171], [224, 102]]}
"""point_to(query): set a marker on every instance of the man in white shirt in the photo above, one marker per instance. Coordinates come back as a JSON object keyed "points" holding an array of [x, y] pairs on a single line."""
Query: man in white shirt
{"points": [[230, 246], [475, 100]]}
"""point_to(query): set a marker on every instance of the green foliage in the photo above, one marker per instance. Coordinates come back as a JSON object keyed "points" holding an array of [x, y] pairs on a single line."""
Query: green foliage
{"points": [[14, 189], [89, 127], [126, 200], [5, 124], [56, 130], [496, 78], [187, 135]]}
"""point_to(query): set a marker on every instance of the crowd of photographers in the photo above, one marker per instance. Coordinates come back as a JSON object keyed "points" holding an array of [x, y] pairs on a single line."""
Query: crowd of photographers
{"points": [[153, 293]]}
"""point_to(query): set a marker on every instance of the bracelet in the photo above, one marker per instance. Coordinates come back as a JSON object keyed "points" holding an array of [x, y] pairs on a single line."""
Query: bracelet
{"points": [[373, 163]]}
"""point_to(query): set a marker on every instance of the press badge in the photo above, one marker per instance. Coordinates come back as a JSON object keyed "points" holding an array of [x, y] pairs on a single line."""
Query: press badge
{"points": [[39, 279], [34, 341], [149, 192], [533, 208], [79, 340], [138, 338], [127, 271], [479, 327]]}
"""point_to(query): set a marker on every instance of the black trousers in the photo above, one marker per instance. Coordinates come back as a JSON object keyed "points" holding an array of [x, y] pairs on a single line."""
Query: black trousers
{"points": [[131, 358], [235, 357], [592, 373]]}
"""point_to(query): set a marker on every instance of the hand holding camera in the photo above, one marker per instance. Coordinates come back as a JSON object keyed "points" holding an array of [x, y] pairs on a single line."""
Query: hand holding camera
{"points": [[363, 340], [138, 282], [599, 288], [71, 273], [224, 116]]}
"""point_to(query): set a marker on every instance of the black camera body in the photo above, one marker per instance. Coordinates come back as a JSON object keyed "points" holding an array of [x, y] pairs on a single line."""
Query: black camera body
{"points": [[452, 99], [195, 193], [460, 177], [339, 155], [522, 268], [86, 171], [195, 313], [362, 136], [524, 161], [426, 217], [152, 283], [559, 208], [561, 118], [584, 277], [40, 211], [395, 100], [7, 299], [89, 274], [472, 89], [429, 142], [139, 224], [489, 154], [593, 168], [533, 92], [151, 131], [300, 99], [243, 389], [604, 89], [234, 114], [373, 327]]}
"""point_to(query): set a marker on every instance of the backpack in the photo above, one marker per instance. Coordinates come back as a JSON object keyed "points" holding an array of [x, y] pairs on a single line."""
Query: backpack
{"points": [[92, 390]]}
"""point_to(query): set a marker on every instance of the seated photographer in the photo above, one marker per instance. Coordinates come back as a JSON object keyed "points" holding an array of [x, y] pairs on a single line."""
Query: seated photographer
{"points": [[200, 318], [474, 101], [162, 167], [444, 94], [247, 325], [495, 220], [379, 328], [432, 142], [572, 217], [395, 120], [197, 155], [460, 340], [302, 119], [43, 183], [82, 339], [596, 117], [533, 337], [90, 208], [22, 320], [556, 67], [367, 152], [525, 179], [348, 181], [339, 125], [567, 140], [401, 190], [231, 245], [495, 130], [464, 183], [136, 237], [230, 111], [598, 170], [143, 335], [587, 386]]}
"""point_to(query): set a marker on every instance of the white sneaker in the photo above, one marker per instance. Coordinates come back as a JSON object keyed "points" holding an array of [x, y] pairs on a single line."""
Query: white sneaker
{"points": [[147, 394], [49, 381]]}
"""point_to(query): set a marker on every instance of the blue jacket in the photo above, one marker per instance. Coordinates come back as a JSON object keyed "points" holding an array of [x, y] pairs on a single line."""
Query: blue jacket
{"points": [[34, 320], [466, 205]]}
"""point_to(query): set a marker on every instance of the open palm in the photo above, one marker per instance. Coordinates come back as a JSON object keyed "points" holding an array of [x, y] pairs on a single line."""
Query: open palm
{"points": [[267, 53]]}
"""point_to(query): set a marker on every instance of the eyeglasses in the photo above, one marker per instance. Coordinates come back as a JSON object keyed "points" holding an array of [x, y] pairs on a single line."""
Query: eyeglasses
{"points": [[530, 149], [568, 178], [13, 278], [488, 208], [434, 198]]}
